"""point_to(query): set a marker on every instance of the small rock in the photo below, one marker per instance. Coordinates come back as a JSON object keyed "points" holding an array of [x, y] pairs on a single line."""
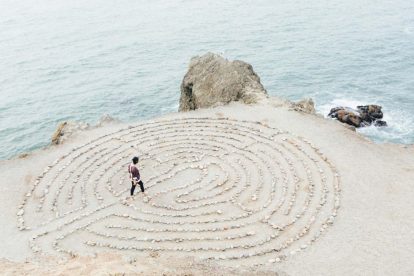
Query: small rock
{"points": [[305, 105]]}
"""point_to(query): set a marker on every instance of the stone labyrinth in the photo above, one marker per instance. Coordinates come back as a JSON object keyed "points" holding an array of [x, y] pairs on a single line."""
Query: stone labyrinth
{"points": [[238, 192]]}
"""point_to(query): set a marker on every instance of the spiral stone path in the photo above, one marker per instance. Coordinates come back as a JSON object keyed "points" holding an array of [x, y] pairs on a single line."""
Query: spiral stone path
{"points": [[238, 192]]}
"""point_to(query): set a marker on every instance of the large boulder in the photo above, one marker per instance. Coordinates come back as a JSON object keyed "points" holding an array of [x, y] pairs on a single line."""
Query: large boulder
{"points": [[212, 80], [364, 115]]}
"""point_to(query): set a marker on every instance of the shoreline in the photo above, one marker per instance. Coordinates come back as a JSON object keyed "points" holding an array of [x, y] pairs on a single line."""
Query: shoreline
{"points": [[118, 122]]}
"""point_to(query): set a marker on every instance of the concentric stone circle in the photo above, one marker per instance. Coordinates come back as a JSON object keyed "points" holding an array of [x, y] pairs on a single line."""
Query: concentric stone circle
{"points": [[217, 188]]}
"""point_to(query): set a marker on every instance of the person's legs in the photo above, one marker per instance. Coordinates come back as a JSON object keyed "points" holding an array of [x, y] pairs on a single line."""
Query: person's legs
{"points": [[132, 188], [141, 185]]}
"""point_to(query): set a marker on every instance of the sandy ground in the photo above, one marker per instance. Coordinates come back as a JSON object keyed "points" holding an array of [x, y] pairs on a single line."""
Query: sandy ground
{"points": [[294, 193], [114, 264]]}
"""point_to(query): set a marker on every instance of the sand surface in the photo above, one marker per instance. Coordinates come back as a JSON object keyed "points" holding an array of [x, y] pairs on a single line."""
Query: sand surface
{"points": [[257, 186], [117, 265]]}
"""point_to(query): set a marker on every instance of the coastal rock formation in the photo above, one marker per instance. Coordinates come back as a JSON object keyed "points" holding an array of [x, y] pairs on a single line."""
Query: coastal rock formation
{"points": [[105, 120], [66, 129], [305, 105], [57, 135], [212, 80], [346, 115], [371, 114], [364, 115]]}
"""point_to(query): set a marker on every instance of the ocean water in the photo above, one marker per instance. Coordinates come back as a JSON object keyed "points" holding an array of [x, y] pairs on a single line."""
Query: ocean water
{"points": [[77, 60]]}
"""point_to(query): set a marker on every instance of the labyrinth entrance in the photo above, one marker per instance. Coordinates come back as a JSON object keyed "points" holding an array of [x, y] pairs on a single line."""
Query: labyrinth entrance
{"points": [[222, 189]]}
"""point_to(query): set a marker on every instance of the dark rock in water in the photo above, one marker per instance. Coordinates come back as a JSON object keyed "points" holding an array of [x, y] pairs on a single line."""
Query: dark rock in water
{"points": [[380, 123], [348, 117], [370, 113], [364, 115]]}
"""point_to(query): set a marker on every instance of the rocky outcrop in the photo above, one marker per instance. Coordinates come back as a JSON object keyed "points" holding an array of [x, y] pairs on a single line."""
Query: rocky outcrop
{"points": [[66, 129], [364, 115], [212, 80], [371, 114], [305, 105], [106, 119], [56, 137]]}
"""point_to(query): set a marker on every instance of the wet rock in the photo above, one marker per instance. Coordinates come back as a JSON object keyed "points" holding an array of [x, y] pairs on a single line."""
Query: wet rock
{"points": [[349, 117], [370, 113], [364, 115], [212, 80], [380, 123]]}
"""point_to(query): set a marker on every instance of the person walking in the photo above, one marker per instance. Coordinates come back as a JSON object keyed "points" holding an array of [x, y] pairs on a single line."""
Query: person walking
{"points": [[135, 176]]}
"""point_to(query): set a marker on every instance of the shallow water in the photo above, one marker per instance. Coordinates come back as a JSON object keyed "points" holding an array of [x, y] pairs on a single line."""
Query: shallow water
{"points": [[78, 60]]}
